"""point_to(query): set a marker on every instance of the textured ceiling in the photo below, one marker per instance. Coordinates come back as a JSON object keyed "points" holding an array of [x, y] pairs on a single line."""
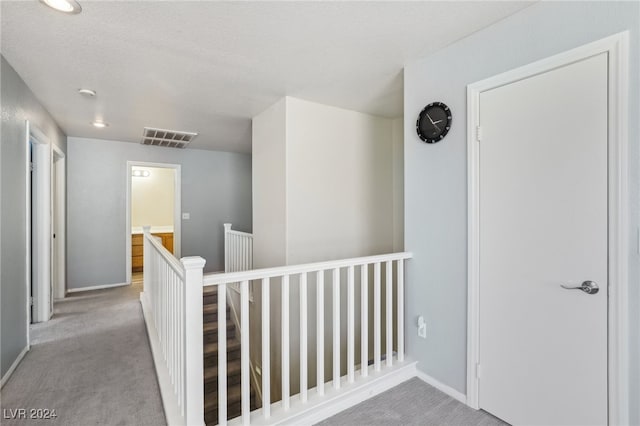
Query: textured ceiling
{"points": [[209, 67]]}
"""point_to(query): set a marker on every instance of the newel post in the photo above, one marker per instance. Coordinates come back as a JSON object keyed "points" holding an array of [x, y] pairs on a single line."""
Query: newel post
{"points": [[193, 347], [227, 228], [146, 262]]}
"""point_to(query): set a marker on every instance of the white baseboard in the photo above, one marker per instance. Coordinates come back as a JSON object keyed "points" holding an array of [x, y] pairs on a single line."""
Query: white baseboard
{"points": [[11, 369], [96, 287], [442, 387]]}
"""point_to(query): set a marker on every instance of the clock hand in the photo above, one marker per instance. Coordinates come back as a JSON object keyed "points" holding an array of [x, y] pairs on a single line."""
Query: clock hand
{"points": [[435, 122], [430, 119], [436, 126]]}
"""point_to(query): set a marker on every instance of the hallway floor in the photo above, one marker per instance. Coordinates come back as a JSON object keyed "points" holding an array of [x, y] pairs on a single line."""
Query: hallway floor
{"points": [[91, 364], [412, 403]]}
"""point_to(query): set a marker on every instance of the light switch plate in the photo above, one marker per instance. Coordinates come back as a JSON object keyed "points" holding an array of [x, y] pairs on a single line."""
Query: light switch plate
{"points": [[422, 327], [186, 216]]}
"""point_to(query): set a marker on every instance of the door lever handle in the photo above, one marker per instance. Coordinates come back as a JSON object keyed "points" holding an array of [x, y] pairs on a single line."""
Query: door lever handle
{"points": [[589, 287]]}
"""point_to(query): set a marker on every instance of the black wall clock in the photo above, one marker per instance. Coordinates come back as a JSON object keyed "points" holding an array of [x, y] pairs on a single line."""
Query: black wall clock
{"points": [[434, 122]]}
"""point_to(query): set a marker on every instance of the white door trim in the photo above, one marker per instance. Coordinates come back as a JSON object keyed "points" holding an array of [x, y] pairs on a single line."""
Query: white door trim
{"points": [[42, 158], [177, 206], [27, 209], [618, 364], [60, 220]]}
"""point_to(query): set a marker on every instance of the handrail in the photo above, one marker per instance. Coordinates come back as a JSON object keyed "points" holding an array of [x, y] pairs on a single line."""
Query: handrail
{"points": [[216, 279], [166, 254], [244, 234], [238, 256], [172, 303]]}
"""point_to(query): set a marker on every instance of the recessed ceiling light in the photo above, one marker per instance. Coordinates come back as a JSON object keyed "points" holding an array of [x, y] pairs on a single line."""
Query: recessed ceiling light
{"points": [[87, 92], [100, 124], [66, 6]]}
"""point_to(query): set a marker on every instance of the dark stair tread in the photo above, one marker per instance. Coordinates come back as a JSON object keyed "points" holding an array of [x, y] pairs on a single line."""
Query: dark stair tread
{"points": [[233, 411], [212, 308], [212, 327], [233, 368], [234, 394], [210, 289], [212, 348]]}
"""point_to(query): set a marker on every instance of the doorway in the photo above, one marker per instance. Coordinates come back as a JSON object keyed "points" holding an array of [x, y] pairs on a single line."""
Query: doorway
{"points": [[153, 199], [39, 216], [547, 206]]}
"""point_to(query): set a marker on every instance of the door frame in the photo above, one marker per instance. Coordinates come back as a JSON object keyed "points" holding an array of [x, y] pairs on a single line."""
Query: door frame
{"points": [[42, 158], [58, 207], [618, 197], [177, 209]]}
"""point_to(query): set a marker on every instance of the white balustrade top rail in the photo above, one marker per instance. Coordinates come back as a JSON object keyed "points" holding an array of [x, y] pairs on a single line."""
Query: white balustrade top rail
{"points": [[278, 271], [167, 256], [233, 231]]}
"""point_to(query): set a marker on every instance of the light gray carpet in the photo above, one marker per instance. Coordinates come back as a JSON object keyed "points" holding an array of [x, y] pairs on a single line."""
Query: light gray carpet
{"points": [[412, 403], [91, 363]]}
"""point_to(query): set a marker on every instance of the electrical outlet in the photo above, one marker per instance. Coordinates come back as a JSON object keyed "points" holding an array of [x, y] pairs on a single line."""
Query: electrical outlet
{"points": [[422, 327], [186, 216]]}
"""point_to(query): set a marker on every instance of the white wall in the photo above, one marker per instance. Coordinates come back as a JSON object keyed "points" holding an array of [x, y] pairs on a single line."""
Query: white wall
{"points": [[329, 172], [398, 184], [339, 183], [152, 197], [268, 173], [436, 181], [339, 204], [324, 185]]}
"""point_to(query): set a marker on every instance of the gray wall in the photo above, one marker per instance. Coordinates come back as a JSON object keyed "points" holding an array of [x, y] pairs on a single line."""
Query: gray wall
{"points": [[216, 188], [18, 105], [435, 175]]}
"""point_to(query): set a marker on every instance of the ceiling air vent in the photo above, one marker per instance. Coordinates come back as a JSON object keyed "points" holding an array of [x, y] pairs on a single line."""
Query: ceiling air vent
{"points": [[168, 138]]}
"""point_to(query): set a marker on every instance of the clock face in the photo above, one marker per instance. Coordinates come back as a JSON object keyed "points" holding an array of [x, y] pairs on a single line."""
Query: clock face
{"points": [[434, 122]]}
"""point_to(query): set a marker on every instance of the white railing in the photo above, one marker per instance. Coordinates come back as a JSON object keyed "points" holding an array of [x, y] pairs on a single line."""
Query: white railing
{"points": [[238, 250], [172, 306], [238, 255], [359, 368]]}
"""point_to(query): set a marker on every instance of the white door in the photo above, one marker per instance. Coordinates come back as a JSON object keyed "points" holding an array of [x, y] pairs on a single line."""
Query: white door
{"points": [[543, 224], [41, 232]]}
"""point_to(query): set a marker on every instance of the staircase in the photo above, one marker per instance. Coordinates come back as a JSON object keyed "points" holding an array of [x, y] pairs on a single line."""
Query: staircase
{"points": [[210, 336]]}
